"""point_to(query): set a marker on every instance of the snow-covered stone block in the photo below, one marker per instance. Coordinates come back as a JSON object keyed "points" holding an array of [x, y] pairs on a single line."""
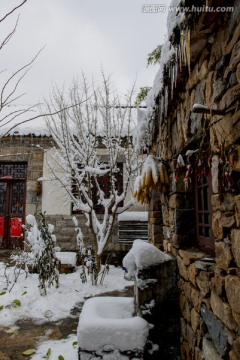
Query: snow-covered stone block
{"points": [[67, 260], [143, 255], [108, 322]]}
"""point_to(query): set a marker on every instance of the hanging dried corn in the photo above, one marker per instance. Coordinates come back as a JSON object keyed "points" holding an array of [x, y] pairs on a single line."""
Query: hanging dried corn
{"points": [[154, 177]]}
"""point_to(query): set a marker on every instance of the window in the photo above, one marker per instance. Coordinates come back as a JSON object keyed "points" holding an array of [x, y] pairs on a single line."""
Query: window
{"points": [[203, 193]]}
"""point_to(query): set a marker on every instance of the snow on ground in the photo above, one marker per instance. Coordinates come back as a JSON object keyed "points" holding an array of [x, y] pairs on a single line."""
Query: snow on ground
{"points": [[66, 347], [58, 302], [54, 306]]}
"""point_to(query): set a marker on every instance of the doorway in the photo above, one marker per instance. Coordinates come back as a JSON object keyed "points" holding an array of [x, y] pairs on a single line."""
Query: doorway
{"points": [[12, 204]]}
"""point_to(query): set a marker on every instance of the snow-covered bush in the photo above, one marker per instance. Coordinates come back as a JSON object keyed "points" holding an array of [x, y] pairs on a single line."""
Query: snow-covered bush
{"points": [[41, 242], [87, 259]]}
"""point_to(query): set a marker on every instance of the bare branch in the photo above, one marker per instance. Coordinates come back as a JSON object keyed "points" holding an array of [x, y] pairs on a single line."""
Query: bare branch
{"points": [[9, 36], [12, 11]]}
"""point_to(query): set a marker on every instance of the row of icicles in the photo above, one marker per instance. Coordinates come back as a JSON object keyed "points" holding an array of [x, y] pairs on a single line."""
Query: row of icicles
{"points": [[154, 177]]}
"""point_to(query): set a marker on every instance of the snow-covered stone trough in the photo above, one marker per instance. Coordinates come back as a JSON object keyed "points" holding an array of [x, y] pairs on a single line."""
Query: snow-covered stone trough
{"points": [[107, 326]]}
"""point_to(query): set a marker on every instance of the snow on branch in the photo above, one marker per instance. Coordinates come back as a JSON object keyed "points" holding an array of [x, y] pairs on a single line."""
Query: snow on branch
{"points": [[93, 141]]}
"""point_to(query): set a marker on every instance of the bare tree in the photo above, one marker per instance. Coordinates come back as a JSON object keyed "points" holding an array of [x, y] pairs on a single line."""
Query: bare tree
{"points": [[91, 138], [10, 113]]}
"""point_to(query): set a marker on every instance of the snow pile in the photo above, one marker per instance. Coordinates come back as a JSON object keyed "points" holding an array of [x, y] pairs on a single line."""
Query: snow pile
{"points": [[143, 255], [108, 321], [133, 216], [67, 258]]}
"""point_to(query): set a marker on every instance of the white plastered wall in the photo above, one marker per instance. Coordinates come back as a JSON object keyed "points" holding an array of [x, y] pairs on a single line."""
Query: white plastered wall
{"points": [[55, 200]]}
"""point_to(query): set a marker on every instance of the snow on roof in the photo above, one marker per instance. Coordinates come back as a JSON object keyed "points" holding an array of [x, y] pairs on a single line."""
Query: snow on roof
{"points": [[143, 255], [109, 321], [38, 127], [133, 216], [35, 127]]}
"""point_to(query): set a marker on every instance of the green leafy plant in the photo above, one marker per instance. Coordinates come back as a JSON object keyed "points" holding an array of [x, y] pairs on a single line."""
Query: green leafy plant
{"points": [[142, 94], [16, 303], [48, 354], [153, 57], [60, 357], [74, 344], [3, 293], [29, 352]]}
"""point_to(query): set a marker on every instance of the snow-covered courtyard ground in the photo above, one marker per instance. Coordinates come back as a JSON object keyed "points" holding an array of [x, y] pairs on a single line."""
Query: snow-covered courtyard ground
{"points": [[24, 302]]}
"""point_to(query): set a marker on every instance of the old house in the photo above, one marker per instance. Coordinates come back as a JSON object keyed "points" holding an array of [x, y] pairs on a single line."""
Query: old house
{"points": [[194, 118], [26, 187]]}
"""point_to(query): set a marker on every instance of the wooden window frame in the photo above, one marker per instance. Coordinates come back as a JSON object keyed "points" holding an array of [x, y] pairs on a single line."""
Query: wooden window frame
{"points": [[203, 210]]}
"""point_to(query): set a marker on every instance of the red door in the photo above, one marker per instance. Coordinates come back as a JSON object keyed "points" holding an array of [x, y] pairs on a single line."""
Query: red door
{"points": [[12, 208]]}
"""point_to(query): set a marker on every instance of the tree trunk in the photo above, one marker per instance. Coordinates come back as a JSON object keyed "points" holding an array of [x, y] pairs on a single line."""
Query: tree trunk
{"points": [[98, 263]]}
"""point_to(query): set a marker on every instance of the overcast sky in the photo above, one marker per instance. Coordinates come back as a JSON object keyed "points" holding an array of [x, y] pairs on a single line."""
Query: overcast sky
{"points": [[81, 35]]}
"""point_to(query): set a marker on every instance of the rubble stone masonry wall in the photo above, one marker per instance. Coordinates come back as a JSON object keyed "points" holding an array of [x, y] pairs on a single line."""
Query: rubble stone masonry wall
{"points": [[209, 286]]}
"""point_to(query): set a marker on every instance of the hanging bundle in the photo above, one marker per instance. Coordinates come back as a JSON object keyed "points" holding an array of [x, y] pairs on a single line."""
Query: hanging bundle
{"points": [[154, 177]]}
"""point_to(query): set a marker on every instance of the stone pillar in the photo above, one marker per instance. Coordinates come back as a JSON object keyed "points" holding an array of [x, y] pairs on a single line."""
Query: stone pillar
{"points": [[155, 227]]}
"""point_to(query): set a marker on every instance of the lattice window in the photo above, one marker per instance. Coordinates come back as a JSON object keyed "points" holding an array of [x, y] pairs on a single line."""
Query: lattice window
{"points": [[18, 197], [3, 197], [13, 170]]}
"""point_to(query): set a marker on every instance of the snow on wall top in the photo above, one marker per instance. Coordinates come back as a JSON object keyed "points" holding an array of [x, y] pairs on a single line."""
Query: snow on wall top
{"points": [[133, 216], [143, 255], [108, 322]]}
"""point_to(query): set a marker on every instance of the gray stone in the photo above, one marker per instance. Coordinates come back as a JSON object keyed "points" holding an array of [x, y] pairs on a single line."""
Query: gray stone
{"points": [[218, 332], [209, 351]]}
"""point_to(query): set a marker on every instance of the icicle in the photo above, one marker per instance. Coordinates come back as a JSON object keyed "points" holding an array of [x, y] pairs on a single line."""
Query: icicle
{"points": [[176, 73], [162, 109], [188, 38], [172, 80], [165, 100]]}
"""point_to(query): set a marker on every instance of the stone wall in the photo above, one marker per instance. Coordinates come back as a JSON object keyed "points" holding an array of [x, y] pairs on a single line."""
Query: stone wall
{"points": [[66, 237], [24, 148], [209, 287]]}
